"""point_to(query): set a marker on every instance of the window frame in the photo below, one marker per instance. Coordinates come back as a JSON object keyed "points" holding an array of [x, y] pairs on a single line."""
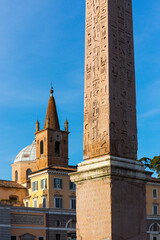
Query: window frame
{"points": [[58, 235], [72, 199], [58, 223], [35, 190], [16, 176], [61, 183], [14, 236], [58, 197], [41, 147], [156, 193], [13, 198], [26, 201], [41, 237], [44, 187], [57, 147], [27, 174], [44, 197], [153, 236], [154, 205], [35, 199], [71, 184]]}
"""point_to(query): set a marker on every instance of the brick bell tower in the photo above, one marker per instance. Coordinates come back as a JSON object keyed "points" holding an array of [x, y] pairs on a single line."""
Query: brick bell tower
{"points": [[110, 183], [51, 142]]}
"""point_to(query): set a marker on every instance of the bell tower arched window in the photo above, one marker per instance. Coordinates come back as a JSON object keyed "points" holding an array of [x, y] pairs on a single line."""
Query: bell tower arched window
{"points": [[41, 147], [57, 147], [16, 176], [27, 173]]}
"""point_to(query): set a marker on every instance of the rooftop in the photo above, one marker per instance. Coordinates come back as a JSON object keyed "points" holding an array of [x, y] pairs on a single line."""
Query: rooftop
{"points": [[10, 184], [58, 168], [27, 154]]}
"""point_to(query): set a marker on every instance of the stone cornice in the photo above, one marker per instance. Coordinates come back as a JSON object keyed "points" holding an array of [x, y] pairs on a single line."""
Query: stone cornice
{"points": [[109, 166]]}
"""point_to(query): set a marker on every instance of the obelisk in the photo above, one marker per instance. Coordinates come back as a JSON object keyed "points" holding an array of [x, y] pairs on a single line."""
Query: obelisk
{"points": [[111, 202]]}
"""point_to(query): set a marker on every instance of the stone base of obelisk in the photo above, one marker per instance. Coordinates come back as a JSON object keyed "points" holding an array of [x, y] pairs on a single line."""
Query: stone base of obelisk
{"points": [[111, 199]]}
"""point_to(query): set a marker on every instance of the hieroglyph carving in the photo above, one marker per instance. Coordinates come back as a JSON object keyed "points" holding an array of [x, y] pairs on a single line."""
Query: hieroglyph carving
{"points": [[110, 103]]}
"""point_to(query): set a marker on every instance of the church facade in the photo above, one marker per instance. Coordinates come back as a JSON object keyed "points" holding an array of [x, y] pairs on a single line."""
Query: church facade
{"points": [[40, 201]]}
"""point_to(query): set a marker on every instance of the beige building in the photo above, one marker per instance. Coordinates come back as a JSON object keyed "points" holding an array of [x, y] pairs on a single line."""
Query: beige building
{"points": [[153, 209], [12, 193], [51, 188]]}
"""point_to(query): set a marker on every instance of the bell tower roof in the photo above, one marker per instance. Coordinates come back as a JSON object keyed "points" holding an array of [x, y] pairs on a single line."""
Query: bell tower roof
{"points": [[51, 115]]}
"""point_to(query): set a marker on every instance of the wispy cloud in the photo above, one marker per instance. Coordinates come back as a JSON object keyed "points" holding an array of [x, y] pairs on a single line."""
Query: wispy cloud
{"points": [[150, 113]]}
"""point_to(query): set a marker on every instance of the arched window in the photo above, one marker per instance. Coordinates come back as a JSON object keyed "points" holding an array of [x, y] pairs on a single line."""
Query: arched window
{"points": [[154, 227], [27, 173], [13, 198], [71, 224], [41, 147], [16, 176], [57, 147], [28, 237]]}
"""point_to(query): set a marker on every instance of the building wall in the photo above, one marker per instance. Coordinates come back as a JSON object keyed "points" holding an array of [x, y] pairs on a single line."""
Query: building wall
{"points": [[40, 192], [5, 194], [65, 192], [62, 137], [21, 168], [18, 221], [49, 157], [150, 199], [41, 159], [28, 222], [67, 224], [152, 218], [51, 192]]}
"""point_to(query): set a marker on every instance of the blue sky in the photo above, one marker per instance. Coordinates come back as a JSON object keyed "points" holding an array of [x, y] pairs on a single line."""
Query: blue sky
{"points": [[43, 41]]}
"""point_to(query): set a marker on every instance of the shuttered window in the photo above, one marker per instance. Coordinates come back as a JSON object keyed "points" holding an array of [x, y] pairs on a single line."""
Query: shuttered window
{"points": [[58, 183], [73, 203], [72, 186], [34, 186], [44, 183], [58, 202]]}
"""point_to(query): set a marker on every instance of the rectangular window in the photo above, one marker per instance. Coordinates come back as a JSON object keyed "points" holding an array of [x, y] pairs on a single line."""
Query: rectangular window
{"points": [[35, 203], [155, 193], [155, 209], [34, 186], [58, 237], [27, 203], [44, 202], [155, 238], [58, 202], [73, 203], [44, 183], [58, 223], [72, 186], [57, 183], [40, 238], [13, 238], [57, 147]]}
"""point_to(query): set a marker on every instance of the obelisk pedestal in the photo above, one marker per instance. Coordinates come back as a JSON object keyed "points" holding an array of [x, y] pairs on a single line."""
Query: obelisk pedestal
{"points": [[111, 200]]}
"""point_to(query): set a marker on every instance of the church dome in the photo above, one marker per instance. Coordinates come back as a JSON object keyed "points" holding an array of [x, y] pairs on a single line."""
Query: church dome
{"points": [[27, 154]]}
